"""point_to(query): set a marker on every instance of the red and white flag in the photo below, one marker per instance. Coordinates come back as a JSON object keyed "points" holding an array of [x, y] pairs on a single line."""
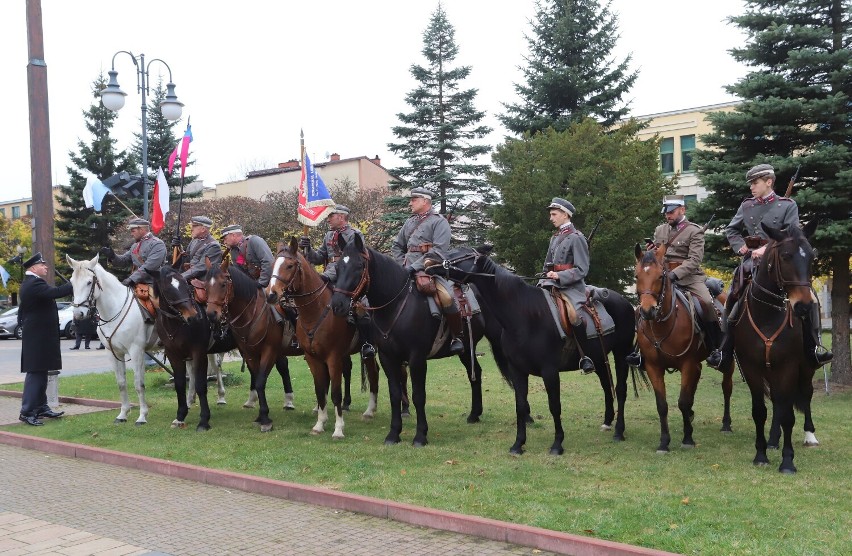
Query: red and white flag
{"points": [[182, 150], [161, 203]]}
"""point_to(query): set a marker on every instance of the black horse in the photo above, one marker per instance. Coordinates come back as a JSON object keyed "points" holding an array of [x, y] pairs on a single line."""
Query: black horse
{"points": [[185, 331], [532, 343], [404, 331]]}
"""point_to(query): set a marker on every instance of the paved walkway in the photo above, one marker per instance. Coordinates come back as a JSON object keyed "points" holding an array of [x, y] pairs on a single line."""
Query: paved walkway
{"points": [[71, 500]]}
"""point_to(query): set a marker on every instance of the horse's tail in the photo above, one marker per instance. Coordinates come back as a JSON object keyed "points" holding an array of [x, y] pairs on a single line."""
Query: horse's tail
{"points": [[643, 376], [502, 362], [623, 315]]}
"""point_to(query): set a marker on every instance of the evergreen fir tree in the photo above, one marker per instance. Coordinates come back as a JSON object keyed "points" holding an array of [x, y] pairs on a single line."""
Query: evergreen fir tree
{"points": [[796, 111], [571, 74], [80, 230], [438, 138]]}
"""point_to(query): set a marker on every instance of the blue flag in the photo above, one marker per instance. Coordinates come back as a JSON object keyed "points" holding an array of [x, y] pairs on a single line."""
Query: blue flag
{"points": [[314, 198], [94, 193], [4, 275]]}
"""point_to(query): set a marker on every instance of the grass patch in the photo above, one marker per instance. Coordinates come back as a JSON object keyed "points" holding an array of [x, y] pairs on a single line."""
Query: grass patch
{"points": [[708, 500]]}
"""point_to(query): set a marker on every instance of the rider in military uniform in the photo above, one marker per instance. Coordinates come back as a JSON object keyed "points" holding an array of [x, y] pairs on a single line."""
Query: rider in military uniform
{"points": [[429, 232], [748, 239], [251, 253], [148, 252], [202, 247], [329, 253], [566, 266], [684, 241]]}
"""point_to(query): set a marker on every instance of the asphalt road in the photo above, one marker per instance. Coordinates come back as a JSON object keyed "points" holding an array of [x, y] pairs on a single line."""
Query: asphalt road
{"points": [[77, 362]]}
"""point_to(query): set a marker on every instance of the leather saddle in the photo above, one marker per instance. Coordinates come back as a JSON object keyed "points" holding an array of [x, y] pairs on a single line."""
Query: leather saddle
{"points": [[199, 289], [142, 293]]}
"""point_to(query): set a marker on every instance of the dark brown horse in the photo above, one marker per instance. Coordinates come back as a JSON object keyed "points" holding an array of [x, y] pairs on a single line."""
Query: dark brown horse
{"points": [[238, 302], [769, 336], [327, 339], [668, 339]]}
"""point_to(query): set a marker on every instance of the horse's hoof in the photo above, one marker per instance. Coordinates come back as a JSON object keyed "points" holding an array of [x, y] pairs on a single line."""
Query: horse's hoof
{"points": [[760, 463], [787, 470], [367, 416], [726, 430], [772, 446], [606, 427], [557, 451], [687, 445], [618, 438], [419, 443], [178, 424], [807, 444], [222, 402], [516, 451], [391, 442], [248, 405], [472, 419], [345, 407], [662, 450], [140, 423], [289, 407], [266, 428], [337, 436], [810, 440], [530, 420], [202, 428], [316, 432], [117, 420]]}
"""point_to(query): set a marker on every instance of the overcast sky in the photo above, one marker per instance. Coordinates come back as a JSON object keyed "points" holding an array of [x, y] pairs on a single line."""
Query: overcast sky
{"points": [[253, 73]]}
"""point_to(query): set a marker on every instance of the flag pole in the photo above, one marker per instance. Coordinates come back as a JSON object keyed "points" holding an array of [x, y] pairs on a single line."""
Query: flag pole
{"points": [[122, 204], [176, 251], [305, 227]]}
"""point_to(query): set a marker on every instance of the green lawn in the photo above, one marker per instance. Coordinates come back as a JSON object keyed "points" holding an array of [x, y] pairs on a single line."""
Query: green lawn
{"points": [[707, 500]]}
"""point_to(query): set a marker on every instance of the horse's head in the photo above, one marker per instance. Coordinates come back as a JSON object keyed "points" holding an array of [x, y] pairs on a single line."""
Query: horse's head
{"points": [[173, 295], [460, 264], [650, 280], [353, 275], [787, 261], [286, 272], [220, 290], [87, 287]]}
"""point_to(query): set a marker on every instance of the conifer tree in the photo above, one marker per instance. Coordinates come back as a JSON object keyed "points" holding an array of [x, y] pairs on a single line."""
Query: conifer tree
{"points": [[80, 230], [439, 137], [796, 111], [571, 73]]}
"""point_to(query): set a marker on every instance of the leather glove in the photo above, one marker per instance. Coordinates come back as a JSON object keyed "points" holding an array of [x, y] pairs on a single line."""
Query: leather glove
{"points": [[305, 242], [672, 276], [107, 252], [175, 242], [128, 282]]}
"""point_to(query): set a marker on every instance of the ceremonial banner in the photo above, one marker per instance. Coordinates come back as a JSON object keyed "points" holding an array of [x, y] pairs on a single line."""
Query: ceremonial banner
{"points": [[314, 199], [182, 148], [94, 193], [161, 203]]}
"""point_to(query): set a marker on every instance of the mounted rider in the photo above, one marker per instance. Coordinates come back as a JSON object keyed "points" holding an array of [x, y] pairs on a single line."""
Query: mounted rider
{"points": [[329, 253], [429, 232], [748, 239], [203, 246], [250, 253], [684, 241], [566, 266]]}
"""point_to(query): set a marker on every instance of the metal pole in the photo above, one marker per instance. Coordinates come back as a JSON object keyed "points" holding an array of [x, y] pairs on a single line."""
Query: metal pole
{"points": [[142, 70]]}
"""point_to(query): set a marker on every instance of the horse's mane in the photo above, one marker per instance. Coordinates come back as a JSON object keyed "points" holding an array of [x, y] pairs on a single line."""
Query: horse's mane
{"points": [[245, 287], [511, 286], [649, 257]]}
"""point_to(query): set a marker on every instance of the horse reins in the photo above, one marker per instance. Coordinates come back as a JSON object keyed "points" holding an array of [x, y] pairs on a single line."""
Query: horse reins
{"points": [[660, 299]]}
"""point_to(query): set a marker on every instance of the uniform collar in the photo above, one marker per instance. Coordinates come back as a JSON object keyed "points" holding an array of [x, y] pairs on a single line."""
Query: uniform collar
{"points": [[566, 228], [679, 224], [767, 199]]}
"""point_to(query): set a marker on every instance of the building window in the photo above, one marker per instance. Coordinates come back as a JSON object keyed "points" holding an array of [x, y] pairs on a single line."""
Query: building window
{"points": [[687, 145], [16, 212], [667, 155], [3, 212], [689, 199], [29, 209]]}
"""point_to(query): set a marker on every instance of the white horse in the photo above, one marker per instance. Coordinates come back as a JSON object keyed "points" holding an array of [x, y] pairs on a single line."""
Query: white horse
{"points": [[122, 327]]}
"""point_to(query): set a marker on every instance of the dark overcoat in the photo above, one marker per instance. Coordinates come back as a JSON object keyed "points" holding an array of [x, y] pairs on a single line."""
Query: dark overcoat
{"points": [[86, 326], [38, 317]]}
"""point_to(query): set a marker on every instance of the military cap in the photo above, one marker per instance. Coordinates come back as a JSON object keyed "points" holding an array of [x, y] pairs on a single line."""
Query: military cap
{"points": [[760, 171], [671, 202], [234, 228], [421, 192], [563, 205], [34, 260], [136, 222], [202, 221], [339, 209]]}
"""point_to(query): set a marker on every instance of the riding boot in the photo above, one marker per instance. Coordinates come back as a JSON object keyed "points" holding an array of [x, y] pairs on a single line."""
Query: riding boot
{"points": [[290, 314], [634, 358], [726, 349], [814, 350], [364, 326], [713, 339], [586, 363], [454, 320]]}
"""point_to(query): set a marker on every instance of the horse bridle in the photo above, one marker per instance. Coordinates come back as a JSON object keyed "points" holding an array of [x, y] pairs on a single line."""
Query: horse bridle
{"points": [[450, 264], [89, 303], [774, 267], [289, 289], [660, 298]]}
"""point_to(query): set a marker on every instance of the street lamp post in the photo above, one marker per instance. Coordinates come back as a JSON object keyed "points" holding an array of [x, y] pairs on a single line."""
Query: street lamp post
{"points": [[113, 98]]}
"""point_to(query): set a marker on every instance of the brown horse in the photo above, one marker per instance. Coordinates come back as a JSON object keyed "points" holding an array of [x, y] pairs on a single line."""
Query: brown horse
{"points": [[235, 299], [769, 336], [667, 338], [328, 340]]}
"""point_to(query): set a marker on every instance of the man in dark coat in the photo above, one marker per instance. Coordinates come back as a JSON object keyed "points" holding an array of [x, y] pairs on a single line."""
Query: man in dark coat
{"points": [[40, 351]]}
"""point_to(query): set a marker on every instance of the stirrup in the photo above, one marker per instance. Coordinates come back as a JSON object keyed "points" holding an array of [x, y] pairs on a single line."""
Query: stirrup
{"points": [[714, 360], [456, 346], [368, 351], [587, 365], [822, 355], [634, 359]]}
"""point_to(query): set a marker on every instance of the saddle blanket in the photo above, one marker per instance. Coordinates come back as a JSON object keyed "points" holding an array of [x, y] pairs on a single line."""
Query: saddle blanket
{"points": [[468, 294], [594, 295]]}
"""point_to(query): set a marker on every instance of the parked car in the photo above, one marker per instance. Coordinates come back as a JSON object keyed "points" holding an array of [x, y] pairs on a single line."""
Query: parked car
{"points": [[9, 327]]}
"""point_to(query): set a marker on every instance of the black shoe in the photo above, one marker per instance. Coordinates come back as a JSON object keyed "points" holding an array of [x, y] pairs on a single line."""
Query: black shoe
{"points": [[456, 346], [50, 414], [714, 360], [101, 347], [368, 351], [87, 347], [586, 365], [634, 359], [75, 347], [822, 356], [30, 420]]}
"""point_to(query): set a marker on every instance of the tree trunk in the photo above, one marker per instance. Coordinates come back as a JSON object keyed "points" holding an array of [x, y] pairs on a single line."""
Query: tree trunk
{"points": [[841, 366]]}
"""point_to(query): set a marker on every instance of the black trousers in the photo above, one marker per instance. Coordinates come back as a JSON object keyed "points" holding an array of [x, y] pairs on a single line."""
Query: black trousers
{"points": [[34, 399]]}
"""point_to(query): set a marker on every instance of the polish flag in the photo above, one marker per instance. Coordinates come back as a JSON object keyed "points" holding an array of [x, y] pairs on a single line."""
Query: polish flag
{"points": [[161, 203]]}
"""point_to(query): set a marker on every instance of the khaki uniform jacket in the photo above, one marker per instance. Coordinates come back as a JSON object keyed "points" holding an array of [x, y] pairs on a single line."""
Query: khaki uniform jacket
{"points": [[149, 253], [199, 250], [569, 246], [257, 256], [688, 250], [329, 252], [416, 231], [776, 212]]}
